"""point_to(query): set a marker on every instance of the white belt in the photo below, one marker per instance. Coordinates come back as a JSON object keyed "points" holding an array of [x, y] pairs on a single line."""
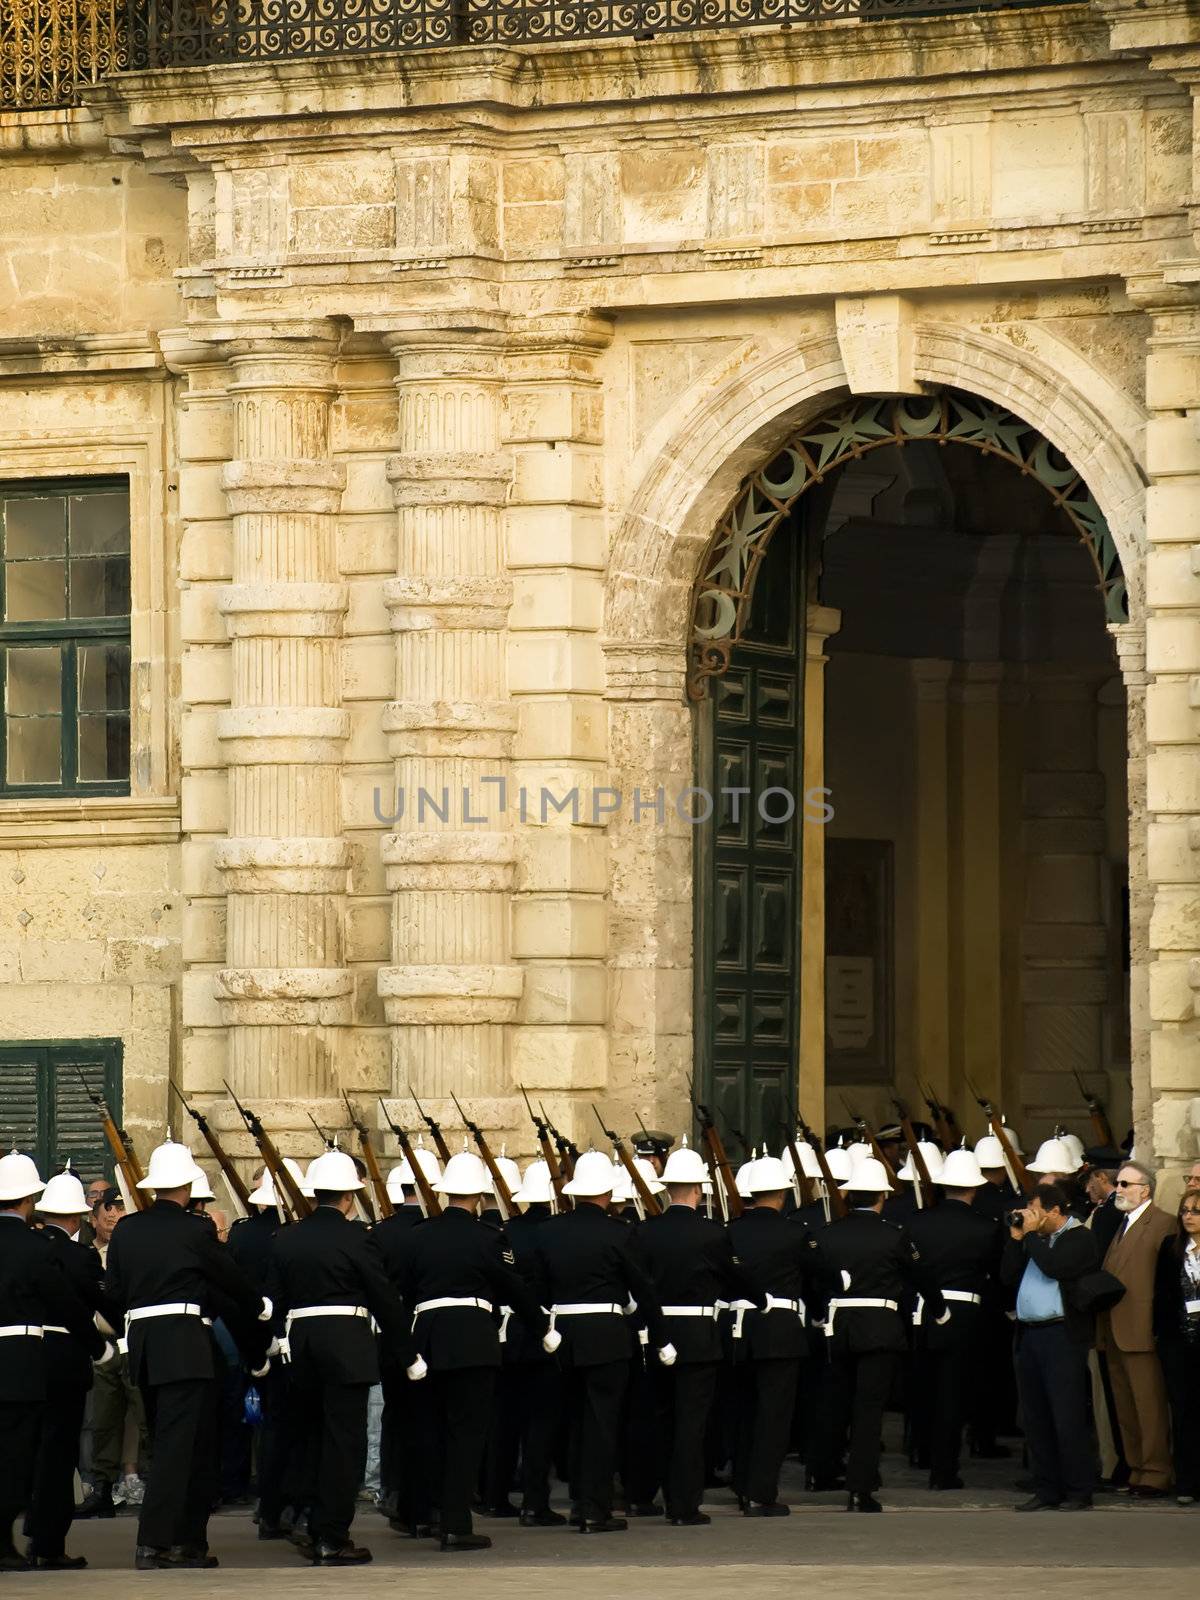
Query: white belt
{"points": [[585, 1308], [176, 1308], [739, 1309], [302, 1312], [856, 1303], [505, 1318], [963, 1295], [691, 1311], [795, 1306], [46, 1328], [21, 1330], [448, 1301], [1192, 1307]]}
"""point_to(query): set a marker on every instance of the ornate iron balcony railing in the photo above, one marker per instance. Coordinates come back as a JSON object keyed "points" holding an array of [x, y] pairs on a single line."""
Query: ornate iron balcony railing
{"points": [[50, 48]]}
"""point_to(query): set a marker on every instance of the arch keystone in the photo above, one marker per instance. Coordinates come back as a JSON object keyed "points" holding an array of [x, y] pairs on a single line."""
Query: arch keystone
{"points": [[877, 340]]}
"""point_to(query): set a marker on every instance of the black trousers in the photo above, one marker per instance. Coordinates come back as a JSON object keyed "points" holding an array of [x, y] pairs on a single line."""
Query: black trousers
{"points": [[640, 1464], [461, 1401], [684, 1396], [941, 1380], [1180, 1359], [53, 1500], [521, 1443], [183, 1421], [593, 1402], [766, 1394], [408, 1445], [20, 1424], [1053, 1387], [279, 1450], [864, 1384]]}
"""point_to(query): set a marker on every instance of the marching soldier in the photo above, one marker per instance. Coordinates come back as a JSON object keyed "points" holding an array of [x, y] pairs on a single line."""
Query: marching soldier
{"points": [[961, 1250], [35, 1293], [326, 1281], [455, 1273], [652, 1147], [873, 1262], [592, 1281], [780, 1258], [165, 1273], [691, 1264]]}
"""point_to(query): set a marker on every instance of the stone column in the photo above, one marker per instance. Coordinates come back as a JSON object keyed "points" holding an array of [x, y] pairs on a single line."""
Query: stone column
{"points": [[1130, 639], [451, 987], [823, 623], [284, 991]]}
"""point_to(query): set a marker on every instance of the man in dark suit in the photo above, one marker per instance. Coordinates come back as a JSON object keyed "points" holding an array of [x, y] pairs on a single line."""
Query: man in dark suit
{"points": [[168, 1276], [35, 1292], [326, 1281], [960, 1249], [1048, 1251], [1102, 1164]]}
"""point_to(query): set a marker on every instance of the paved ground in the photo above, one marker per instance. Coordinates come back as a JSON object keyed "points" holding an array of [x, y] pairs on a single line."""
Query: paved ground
{"points": [[925, 1547]]}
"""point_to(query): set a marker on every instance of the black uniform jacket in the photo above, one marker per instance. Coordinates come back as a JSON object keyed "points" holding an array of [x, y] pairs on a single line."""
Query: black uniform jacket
{"points": [[251, 1241], [960, 1250], [780, 1258], [166, 1256], [457, 1257], [995, 1199], [325, 1259], [691, 1262], [35, 1290], [523, 1343], [586, 1257], [1068, 1259], [866, 1258], [69, 1357]]}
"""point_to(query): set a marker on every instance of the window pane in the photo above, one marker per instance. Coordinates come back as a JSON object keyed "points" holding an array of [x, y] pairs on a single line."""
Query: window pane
{"points": [[35, 527], [33, 684], [104, 677], [34, 750], [103, 748], [99, 523], [34, 591], [100, 587]]}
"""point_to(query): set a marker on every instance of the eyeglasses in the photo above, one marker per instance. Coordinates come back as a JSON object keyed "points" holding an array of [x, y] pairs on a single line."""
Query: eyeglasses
{"points": [[1131, 1183]]}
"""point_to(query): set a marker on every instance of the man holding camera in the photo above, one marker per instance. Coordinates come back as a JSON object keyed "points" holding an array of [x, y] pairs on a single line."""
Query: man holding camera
{"points": [[1047, 1254]]}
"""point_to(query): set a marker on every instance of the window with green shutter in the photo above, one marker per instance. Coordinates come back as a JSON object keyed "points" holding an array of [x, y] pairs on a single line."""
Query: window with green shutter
{"points": [[64, 637], [45, 1104]]}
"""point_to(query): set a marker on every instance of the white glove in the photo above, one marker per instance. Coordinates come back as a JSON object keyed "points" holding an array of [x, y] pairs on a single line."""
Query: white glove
{"points": [[418, 1370], [551, 1340], [267, 1312], [945, 1317], [261, 1372], [667, 1355], [285, 1349], [109, 1356], [275, 1348], [630, 1306]]}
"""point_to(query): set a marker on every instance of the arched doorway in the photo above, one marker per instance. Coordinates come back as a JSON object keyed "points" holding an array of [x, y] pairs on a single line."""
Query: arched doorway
{"points": [[953, 911]]}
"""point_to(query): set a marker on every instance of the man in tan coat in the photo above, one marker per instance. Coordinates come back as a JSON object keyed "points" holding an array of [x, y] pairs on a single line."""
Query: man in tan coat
{"points": [[1126, 1335]]}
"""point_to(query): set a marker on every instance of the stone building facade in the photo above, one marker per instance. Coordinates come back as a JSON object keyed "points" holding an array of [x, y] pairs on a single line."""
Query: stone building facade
{"points": [[435, 379]]}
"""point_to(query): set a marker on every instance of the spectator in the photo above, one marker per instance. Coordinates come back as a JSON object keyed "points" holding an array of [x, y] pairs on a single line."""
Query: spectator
{"points": [[1101, 1189], [1126, 1333], [1047, 1252], [1191, 1178], [1177, 1330], [92, 1193]]}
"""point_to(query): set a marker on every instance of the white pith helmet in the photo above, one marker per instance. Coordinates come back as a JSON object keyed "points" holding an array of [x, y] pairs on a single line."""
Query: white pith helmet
{"points": [[989, 1152], [809, 1165], [465, 1174], [684, 1166], [401, 1177], [1075, 1145], [857, 1152], [18, 1177], [868, 1177], [741, 1178], [838, 1161], [265, 1194], [594, 1175], [201, 1188], [1054, 1155], [622, 1194], [768, 1175], [933, 1162], [645, 1168], [63, 1196], [510, 1172], [172, 1166], [333, 1172], [536, 1188], [960, 1170]]}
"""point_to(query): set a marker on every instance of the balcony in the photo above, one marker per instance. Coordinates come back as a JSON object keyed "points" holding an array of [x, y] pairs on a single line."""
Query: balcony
{"points": [[50, 49]]}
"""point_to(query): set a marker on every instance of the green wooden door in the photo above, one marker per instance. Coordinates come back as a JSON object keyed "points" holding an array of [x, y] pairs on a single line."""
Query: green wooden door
{"points": [[45, 1110], [749, 869]]}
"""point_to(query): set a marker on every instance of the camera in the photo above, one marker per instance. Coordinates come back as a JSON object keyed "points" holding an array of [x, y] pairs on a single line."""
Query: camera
{"points": [[1014, 1219]]}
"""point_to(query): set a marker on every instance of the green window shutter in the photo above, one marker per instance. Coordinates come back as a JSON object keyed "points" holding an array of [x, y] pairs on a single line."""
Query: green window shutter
{"points": [[20, 1077], [75, 1134]]}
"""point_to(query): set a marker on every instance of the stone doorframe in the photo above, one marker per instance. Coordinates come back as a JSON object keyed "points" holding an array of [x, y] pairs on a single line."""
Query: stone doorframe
{"points": [[689, 469]]}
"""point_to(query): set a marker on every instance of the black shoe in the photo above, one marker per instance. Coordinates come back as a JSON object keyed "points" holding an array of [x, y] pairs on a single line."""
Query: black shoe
{"points": [[182, 1555], [645, 1508], [59, 1563], [819, 1483], [543, 1519], [862, 1502], [465, 1541], [946, 1483], [1143, 1491], [271, 1530], [774, 1509], [98, 1502], [1037, 1504], [694, 1519], [340, 1555], [1076, 1505], [604, 1525], [504, 1508], [147, 1558]]}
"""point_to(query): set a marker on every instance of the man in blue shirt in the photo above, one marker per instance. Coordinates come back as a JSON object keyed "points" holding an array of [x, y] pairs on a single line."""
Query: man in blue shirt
{"points": [[1047, 1252]]}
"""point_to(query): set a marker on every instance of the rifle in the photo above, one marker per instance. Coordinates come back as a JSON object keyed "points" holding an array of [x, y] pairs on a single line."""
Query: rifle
{"points": [[383, 1202], [229, 1172], [542, 1128], [716, 1151], [922, 1183], [1018, 1174], [125, 1160], [285, 1184], [836, 1200], [568, 1151], [868, 1137], [942, 1121], [430, 1204], [648, 1202], [803, 1183], [503, 1194], [435, 1129], [1100, 1122]]}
